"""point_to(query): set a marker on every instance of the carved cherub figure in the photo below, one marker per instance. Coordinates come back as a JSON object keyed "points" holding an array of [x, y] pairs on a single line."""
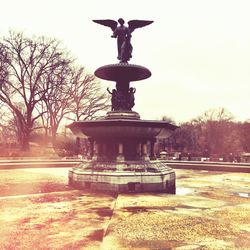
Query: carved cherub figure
{"points": [[123, 35]]}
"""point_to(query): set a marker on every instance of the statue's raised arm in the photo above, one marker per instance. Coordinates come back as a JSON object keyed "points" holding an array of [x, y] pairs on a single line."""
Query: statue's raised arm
{"points": [[123, 35]]}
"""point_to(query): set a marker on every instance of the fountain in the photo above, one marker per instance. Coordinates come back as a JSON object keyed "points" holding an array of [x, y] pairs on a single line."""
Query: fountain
{"points": [[122, 157]]}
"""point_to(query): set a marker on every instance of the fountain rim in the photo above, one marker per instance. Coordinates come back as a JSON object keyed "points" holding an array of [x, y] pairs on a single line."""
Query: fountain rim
{"points": [[124, 122], [120, 71]]}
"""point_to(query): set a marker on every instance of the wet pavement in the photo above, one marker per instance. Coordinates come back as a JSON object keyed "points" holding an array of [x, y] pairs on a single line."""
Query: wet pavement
{"points": [[210, 210]]}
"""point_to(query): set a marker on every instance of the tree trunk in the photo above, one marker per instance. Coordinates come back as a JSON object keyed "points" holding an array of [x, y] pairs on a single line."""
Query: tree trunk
{"points": [[53, 135], [24, 143]]}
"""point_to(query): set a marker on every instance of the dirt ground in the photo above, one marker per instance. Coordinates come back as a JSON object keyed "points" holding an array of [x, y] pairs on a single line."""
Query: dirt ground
{"points": [[38, 210]]}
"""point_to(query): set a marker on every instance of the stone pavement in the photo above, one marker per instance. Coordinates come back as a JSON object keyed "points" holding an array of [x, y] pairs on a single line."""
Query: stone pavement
{"points": [[211, 210]]}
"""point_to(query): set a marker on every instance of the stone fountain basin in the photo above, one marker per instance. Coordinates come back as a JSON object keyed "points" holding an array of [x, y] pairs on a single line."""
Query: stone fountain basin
{"points": [[122, 128], [123, 71]]}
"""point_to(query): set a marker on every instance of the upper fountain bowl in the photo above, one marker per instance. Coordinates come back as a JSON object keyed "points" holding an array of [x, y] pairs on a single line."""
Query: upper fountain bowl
{"points": [[123, 72]]}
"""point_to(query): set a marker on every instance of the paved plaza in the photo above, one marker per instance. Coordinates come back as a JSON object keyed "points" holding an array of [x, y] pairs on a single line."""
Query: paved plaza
{"points": [[38, 210]]}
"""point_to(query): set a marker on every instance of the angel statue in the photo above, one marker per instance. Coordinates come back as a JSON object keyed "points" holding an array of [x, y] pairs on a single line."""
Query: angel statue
{"points": [[123, 35]]}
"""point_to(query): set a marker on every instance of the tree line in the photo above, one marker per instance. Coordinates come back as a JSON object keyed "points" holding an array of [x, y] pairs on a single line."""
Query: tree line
{"points": [[41, 85], [213, 134]]}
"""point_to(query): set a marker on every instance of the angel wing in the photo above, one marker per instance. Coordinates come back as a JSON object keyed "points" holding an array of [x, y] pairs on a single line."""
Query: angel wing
{"points": [[133, 24], [107, 22]]}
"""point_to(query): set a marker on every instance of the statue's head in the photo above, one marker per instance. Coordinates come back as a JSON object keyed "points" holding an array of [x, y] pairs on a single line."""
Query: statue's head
{"points": [[121, 21]]}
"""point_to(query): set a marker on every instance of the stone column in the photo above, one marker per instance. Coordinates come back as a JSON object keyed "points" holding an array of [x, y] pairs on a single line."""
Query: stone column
{"points": [[104, 151], [145, 156], [120, 156], [141, 149], [99, 150], [152, 149], [91, 151], [138, 151], [95, 150]]}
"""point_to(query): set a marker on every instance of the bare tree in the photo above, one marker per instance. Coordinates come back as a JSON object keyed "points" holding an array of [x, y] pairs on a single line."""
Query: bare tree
{"points": [[28, 66], [57, 101], [75, 95], [8, 126], [217, 114], [89, 101], [244, 130]]}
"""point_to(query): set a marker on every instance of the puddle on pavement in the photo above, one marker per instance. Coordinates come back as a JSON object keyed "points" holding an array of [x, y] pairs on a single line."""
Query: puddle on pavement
{"points": [[245, 195], [184, 190]]}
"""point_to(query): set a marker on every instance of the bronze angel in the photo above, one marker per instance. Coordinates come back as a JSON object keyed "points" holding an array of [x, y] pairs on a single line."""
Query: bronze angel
{"points": [[123, 35]]}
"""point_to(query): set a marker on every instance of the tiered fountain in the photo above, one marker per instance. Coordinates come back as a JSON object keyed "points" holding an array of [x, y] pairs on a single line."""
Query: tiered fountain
{"points": [[122, 145]]}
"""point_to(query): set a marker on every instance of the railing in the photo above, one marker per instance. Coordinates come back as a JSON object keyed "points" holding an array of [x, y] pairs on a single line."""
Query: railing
{"points": [[60, 163], [38, 163], [211, 166]]}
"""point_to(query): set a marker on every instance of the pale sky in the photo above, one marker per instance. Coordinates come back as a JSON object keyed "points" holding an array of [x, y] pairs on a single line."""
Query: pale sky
{"points": [[198, 51]]}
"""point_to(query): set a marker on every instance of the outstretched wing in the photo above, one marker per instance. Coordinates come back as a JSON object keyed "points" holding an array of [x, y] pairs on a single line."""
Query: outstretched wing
{"points": [[107, 22], [133, 24]]}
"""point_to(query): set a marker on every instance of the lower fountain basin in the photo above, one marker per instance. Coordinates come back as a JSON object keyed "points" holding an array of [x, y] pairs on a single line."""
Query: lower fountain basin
{"points": [[118, 128], [120, 155]]}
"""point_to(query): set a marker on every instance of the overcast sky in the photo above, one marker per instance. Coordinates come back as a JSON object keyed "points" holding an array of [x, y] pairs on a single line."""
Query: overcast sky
{"points": [[198, 51]]}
